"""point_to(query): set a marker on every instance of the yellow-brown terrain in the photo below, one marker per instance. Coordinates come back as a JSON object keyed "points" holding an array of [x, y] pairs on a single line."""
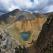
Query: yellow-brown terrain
{"points": [[34, 26], [17, 24], [28, 23]]}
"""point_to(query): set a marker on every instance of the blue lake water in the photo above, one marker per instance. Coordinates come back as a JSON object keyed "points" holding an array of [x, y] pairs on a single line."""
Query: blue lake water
{"points": [[25, 35]]}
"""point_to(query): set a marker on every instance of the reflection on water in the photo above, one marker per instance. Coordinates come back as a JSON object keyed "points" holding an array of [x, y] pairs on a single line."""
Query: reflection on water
{"points": [[25, 35]]}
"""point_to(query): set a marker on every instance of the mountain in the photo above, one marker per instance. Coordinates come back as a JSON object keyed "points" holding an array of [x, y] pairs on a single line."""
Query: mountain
{"points": [[17, 15], [39, 25], [23, 21], [9, 17], [20, 15], [44, 43]]}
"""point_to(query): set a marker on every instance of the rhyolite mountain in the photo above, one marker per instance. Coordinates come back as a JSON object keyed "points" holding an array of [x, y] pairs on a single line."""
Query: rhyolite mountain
{"points": [[8, 17], [17, 15], [44, 43], [22, 21], [40, 25]]}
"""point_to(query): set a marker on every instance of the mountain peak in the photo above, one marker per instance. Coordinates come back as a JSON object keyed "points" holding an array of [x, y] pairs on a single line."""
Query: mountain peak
{"points": [[16, 10]]}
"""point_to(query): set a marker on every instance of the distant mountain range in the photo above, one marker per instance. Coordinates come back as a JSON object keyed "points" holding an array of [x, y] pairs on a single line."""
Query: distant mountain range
{"points": [[19, 15]]}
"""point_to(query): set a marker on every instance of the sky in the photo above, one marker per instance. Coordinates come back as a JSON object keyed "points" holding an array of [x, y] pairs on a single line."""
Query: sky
{"points": [[42, 6]]}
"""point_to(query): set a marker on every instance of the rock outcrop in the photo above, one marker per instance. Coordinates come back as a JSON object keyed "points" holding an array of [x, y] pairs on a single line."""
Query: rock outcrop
{"points": [[44, 43]]}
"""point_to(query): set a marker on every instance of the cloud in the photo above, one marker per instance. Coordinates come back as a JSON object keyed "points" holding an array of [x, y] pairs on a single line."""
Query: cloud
{"points": [[49, 8], [27, 5]]}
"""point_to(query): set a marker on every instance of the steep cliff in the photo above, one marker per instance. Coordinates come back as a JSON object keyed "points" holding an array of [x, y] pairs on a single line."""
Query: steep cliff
{"points": [[44, 43]]}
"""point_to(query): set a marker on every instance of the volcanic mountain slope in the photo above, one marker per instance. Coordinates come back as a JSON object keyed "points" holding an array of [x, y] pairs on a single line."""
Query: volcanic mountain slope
{"points": [[39, 25], [20, 21], [17, 15], [8, 17], [44, 43], [13, 15]]}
